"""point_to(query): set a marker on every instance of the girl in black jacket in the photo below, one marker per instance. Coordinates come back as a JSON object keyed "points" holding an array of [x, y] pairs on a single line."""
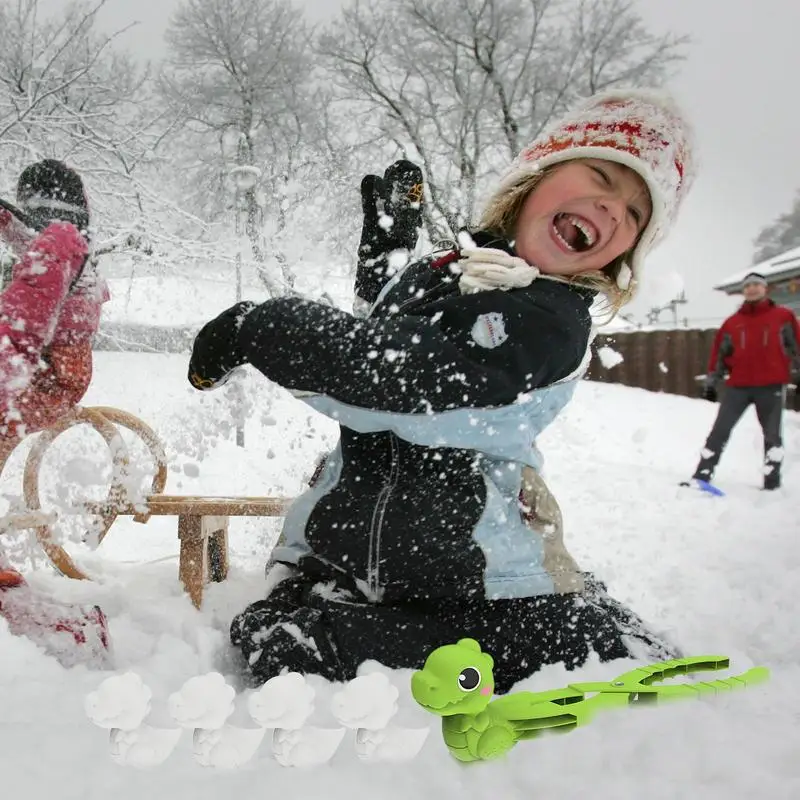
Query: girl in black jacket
{"points": [[417, 531]]}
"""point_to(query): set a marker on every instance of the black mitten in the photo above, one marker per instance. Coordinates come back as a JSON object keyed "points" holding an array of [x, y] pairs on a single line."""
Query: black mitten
{"points": [[403, 198], [392, 208], [216, 351], [710, 393], [374, 241]]}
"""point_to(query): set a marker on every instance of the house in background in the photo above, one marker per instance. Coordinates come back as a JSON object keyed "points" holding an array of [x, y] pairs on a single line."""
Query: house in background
{"points": [[783, 276]]}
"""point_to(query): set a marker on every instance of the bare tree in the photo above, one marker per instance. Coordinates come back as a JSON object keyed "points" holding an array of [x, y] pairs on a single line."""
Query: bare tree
{"points": [[66, 92], [56, 72], [780, 235], [462, 85], [241, 72]]}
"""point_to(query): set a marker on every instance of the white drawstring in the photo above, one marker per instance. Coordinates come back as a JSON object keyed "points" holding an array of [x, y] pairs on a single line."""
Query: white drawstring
{"points": [[486, 268]]}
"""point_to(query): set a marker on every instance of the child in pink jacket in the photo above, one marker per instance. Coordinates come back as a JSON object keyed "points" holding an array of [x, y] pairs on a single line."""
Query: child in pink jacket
{"points": [[49, 312]]}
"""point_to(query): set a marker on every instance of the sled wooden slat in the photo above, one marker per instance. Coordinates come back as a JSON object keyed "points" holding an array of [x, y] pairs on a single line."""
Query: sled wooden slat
{"points": [[168, 505], [204, 553], [202, 530], [203, 533]]}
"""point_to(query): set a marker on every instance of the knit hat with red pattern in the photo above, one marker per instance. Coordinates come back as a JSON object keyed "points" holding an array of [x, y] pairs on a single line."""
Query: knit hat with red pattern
{"points": [[640, 129]]}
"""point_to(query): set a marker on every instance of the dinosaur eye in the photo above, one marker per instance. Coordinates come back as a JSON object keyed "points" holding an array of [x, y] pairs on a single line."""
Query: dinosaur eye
{"points": [[469, 679]]}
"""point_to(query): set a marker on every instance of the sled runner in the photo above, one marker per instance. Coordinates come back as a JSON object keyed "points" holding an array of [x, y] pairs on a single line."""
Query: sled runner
{"points": [[202, 522]]}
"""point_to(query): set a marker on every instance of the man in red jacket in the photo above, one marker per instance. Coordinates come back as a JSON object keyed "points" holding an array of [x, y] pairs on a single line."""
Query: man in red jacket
{"points": [[758, 348]]}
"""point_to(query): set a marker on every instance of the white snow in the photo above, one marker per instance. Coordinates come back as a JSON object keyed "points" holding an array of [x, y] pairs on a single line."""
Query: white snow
{"points": [[368, 701], [775, 454], [310, 747], [285, 701], [719, 574], [226, 748], [205, 701], [661, 286], [609, 357], [391, 744], [121, 701], [144, 747]]}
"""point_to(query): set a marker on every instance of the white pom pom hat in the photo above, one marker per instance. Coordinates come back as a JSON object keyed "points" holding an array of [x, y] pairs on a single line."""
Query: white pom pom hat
{"points": [[640, 129]]}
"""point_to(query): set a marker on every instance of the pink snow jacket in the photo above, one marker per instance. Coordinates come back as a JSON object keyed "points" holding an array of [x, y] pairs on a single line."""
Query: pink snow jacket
{"points": [[46, 333]]}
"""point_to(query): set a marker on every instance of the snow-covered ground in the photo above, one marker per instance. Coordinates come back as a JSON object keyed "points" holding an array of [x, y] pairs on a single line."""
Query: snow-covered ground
{"points": [[720, 574]]}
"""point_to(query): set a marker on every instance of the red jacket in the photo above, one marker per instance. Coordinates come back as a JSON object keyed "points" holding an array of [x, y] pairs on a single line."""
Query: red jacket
{"points": [[45, 334], [757, 345]]}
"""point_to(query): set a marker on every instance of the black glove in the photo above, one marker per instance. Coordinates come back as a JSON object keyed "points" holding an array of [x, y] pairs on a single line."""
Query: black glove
{"points": [[392, 208], [710, 393], [216, 351]]}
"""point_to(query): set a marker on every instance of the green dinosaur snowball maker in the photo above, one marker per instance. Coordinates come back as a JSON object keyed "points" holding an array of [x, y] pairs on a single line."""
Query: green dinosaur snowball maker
{"points": [[457, 678], [457, 684]]}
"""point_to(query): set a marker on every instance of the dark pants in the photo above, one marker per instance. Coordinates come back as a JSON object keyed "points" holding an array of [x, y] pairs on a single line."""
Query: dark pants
{"points": [[316, 628], [769, 401]]}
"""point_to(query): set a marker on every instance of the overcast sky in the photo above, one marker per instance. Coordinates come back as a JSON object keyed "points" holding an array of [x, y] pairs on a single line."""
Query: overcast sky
{"points": [[739, 87]]}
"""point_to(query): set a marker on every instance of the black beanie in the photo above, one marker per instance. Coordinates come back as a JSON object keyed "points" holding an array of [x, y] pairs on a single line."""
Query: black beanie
{"points": [[754, 277], [48, 191]]}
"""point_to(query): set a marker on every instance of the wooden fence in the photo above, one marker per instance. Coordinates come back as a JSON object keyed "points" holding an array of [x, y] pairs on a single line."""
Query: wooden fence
{"points": [[671, 361], [660, 361]]}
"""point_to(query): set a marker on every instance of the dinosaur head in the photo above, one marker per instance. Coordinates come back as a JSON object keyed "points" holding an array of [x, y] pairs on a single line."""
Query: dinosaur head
{"points": [[456, 679]]}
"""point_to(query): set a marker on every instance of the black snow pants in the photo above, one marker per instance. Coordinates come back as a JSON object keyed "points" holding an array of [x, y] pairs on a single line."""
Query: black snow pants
{"points": [[315, 627], [769, 401]]}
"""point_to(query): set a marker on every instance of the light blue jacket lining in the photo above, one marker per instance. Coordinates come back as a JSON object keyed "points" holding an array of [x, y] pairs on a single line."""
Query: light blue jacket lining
{"points": [[505, 435]]}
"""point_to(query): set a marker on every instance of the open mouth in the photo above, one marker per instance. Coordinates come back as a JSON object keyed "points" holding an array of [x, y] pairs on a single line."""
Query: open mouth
{"points": [[576, 234]]}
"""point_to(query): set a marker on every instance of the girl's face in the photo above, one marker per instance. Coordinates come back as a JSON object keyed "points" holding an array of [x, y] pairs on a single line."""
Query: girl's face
{"points": [[582, 216]]}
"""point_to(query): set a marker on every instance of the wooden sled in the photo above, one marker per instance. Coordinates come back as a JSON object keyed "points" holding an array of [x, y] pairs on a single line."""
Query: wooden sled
{"points": [[202, 522]]}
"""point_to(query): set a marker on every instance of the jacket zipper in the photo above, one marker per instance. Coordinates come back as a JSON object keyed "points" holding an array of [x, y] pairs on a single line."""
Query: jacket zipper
{"points": [[378, 514]]}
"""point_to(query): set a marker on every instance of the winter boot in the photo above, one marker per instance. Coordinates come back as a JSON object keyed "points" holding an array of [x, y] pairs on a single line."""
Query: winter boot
{"points": [[73, 634], [772, 478]]}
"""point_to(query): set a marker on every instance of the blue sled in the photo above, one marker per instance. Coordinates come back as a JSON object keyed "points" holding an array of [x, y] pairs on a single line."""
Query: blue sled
{"points": [[705, 486]]}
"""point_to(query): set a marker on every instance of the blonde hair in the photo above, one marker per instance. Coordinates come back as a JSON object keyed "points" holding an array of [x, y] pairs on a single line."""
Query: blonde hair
{"points": [[501, 215]]}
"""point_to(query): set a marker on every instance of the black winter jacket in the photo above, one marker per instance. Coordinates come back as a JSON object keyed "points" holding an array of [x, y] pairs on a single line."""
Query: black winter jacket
{"points": [[397, 511]]}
